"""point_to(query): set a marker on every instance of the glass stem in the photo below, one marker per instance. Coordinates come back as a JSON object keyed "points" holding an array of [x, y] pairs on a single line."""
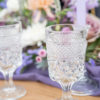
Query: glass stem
{"points": [[9, 80], [66, 91]]}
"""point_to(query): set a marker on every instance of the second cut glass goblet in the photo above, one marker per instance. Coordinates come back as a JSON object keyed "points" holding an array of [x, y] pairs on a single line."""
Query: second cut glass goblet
{"points": [[65, 54], [10, 58]]}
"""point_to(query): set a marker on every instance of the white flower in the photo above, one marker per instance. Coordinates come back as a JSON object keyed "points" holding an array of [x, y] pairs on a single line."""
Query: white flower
{"points": [[3, 13], [33, 34], [13, 5]]}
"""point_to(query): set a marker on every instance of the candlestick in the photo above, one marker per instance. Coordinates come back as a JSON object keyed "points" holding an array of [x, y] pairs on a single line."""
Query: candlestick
{"points": [[81, 12]]}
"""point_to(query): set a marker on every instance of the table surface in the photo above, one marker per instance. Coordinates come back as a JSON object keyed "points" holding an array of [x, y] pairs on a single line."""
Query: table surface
{"points": [[40, 91]]}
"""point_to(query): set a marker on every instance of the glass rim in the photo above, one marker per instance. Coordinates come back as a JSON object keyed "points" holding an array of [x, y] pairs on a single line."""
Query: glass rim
{"points": [[48, 28], [9, 25], [12, 24]]}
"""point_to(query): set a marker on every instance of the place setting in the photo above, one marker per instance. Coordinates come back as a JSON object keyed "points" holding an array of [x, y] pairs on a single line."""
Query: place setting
{"points": [[47, 46]]}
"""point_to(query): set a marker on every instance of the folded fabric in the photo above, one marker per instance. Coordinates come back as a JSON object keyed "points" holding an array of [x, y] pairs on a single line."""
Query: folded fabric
{"points": [[90, 84], [34, 74], [93, 72]]}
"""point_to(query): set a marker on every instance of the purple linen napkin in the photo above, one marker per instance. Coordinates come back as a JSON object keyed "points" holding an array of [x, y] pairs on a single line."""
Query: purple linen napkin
{"points": [[93, 72], [92, 82], [34, 74]]}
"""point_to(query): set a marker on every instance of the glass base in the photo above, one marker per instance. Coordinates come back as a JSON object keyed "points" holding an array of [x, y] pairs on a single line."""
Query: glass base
{"points": [[11, 93], [67, 99], [84, 87]]}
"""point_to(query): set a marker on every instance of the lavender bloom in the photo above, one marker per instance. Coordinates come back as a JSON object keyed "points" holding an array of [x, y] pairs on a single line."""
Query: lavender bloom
{"points": [[3, 4], [23, 55], [25, 63], [69, 14], [72, 19], [35, 51], [29, 62], [27, 57], [92, 62], [31, 52], [92, 4]]}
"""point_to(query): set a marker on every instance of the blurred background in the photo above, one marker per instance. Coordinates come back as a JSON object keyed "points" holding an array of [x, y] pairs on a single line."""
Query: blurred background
{"points": [[36, 15]]}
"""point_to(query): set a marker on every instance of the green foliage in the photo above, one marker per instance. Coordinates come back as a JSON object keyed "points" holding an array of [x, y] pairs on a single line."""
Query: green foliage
{"points": [[92, 46], [93, 49], [0, 7], [34, 56], [27, 13], [43, 12], [51, 23], [1, 0], [63, 12], [43, 65], [26, 17], [90, 55]]}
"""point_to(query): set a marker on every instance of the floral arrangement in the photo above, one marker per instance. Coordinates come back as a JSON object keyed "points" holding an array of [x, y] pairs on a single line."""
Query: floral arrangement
{"points": [[38, 56], [36, 15]]}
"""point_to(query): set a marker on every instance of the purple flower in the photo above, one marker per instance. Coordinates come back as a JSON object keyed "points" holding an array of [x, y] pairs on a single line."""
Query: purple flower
{"points": [[31, 52], [92, 62], [72, 19], [69, 14], [92, 4], [42, 53], [3, 4], [23, 55], [35, 51], [66, 29], [38, 59], [2, 23], [29, 62], [27, 57]]}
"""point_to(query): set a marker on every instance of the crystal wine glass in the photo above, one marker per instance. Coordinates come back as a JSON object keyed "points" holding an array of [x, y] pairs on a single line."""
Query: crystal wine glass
{"points": [[65, 55], [10, 58]]}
